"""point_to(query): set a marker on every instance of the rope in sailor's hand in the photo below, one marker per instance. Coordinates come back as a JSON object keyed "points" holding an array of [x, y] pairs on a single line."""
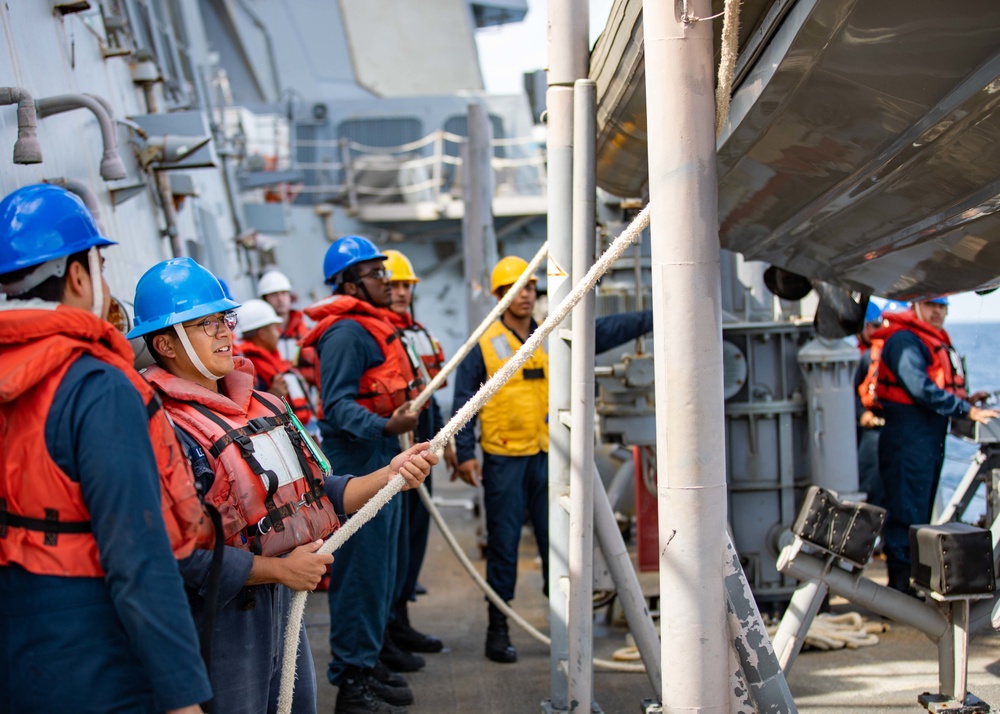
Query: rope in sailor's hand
{"points": [[459, 420]]}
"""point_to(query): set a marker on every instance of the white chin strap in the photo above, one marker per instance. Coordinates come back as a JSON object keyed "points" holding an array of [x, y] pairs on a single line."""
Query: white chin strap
{"points": [[96, 282], [193, 356]]}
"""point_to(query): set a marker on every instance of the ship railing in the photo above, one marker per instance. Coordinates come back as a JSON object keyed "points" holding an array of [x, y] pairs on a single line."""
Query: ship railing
{"points": [[428, 169]]}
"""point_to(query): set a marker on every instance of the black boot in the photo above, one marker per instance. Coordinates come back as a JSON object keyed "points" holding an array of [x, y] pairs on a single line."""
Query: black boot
{"points": [[498, 646], [406, 637], [389, 686], [356, 697], [397, 659]]}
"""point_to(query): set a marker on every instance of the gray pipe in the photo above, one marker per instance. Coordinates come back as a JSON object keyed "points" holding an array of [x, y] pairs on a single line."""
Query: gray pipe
{"points": [[27, 149], [862, 591], [797, 620], [89, 199], [687, 337], [640, 622], [581, 492], [112, 167]]}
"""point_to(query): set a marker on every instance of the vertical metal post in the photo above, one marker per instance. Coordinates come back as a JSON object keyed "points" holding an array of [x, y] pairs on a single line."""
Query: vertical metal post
{"points": [[581, 480], [568, 62], [687, 334], [479, 239], [437, 169]]}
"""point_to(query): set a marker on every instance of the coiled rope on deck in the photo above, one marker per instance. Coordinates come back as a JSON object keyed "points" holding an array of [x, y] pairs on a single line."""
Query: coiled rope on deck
{"points": [[459, 420]]}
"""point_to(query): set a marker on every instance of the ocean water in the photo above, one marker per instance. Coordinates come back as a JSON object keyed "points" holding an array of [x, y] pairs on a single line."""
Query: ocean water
{"points": [[979, 343]]}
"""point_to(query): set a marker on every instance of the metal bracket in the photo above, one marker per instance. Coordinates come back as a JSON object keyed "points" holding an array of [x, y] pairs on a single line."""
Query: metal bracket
{"points": [[940, 704]]}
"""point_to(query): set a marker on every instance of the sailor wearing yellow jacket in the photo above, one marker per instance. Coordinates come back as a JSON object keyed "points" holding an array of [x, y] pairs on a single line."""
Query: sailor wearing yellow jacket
{"points": [[515, 437]]}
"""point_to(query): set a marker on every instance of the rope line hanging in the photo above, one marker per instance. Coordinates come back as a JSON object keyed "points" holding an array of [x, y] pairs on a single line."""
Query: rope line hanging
{"points": [[460, 419]]}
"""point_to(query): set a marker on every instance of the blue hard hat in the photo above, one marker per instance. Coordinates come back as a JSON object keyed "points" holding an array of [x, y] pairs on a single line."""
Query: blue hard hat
{"points": [[42, 222], [174, 291], [943, 300], [873, 313], [345, 252], [225, 288], [894, 306]]}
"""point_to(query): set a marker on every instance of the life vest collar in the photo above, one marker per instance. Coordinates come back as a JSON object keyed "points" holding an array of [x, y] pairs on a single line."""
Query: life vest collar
{"points": [[232, 399]]}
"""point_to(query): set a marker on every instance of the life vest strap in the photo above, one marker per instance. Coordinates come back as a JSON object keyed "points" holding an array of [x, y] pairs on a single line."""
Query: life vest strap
{"points": [[51, 526]]}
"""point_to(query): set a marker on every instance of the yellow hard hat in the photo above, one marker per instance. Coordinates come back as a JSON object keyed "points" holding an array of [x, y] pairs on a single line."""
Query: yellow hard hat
{"points": [[400, 266], [508, 271]]}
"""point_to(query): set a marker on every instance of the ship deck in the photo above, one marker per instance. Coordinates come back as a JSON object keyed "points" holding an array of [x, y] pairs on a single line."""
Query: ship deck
{"points": [[883, 678]]}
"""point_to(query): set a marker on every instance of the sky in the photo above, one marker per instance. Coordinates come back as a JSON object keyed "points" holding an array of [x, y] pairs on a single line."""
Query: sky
{"points": [[508, 51]]}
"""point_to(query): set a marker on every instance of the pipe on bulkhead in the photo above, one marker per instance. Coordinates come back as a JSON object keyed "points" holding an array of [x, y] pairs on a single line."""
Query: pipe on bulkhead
{"points": [[86, 195], [163, 190], [27, 149], [112, 167]]}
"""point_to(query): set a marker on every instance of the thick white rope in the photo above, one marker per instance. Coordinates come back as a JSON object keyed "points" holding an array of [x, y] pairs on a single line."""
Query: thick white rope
{"points": [[727, 63], [459, 420]]}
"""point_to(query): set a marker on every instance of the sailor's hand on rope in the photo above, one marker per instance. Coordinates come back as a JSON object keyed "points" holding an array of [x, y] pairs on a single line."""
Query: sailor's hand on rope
{"points": [[401, 421], [469, 472], [279, 387], [303, 568], [979, 397], [413, 465]]}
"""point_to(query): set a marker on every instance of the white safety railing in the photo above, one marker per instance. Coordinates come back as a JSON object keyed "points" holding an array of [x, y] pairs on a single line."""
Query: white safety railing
{"points": [[426, 170]]}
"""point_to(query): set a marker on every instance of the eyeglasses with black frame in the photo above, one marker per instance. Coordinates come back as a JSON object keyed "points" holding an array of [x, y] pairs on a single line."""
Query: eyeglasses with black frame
{"points": [[213, 323], [377, 274]]}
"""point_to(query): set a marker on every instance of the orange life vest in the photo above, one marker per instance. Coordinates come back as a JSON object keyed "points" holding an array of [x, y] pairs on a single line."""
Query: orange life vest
{"points": [[268, 489], [288, 343], [383, 388], [268, 366], [945, 368], [866, 390], [44, 522]]}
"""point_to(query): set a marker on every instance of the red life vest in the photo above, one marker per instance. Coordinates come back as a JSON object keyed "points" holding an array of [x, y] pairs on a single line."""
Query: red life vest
{"points": [[267, 488], [945, 368], [383, 388], [424, 344], [269, 365], [44, 522]]}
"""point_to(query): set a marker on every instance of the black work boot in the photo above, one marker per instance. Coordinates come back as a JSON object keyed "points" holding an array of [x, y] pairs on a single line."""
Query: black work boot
{"points": [[406, 637], [395, 691], [498, 646], [899, 579], [356, 697], [397, 659]]}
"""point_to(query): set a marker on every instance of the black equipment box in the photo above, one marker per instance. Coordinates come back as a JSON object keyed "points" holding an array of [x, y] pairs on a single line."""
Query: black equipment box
{"points": [[952, 559], [843, 528]]}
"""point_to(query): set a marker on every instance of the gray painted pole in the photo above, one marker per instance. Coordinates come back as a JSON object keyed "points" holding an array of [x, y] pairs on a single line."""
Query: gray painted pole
{"points": [[797, 620], [568, 61], [479, 242], [581, 481], [640, 622], [687, 335]]}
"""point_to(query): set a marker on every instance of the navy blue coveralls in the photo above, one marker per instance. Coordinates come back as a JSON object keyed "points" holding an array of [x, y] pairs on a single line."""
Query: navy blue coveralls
{"points": [[364, 580], [513, 484], [911, 446], [125, 642]]}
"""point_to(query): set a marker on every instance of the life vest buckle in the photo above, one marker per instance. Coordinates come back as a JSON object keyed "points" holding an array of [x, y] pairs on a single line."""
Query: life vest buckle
{"points": [[259, 425]]}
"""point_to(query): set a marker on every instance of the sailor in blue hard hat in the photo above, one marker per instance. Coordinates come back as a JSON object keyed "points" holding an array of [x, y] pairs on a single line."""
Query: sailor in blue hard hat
{"points": [[43, 230], [180, 291]]}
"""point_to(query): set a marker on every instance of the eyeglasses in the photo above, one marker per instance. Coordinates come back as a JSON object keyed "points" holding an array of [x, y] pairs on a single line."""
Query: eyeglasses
{"points": [[377, 274], [212, 325]]}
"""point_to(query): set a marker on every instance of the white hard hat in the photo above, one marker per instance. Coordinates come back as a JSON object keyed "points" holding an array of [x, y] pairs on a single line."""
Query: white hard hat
{"points": [[273, 281], [255, 314]]}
